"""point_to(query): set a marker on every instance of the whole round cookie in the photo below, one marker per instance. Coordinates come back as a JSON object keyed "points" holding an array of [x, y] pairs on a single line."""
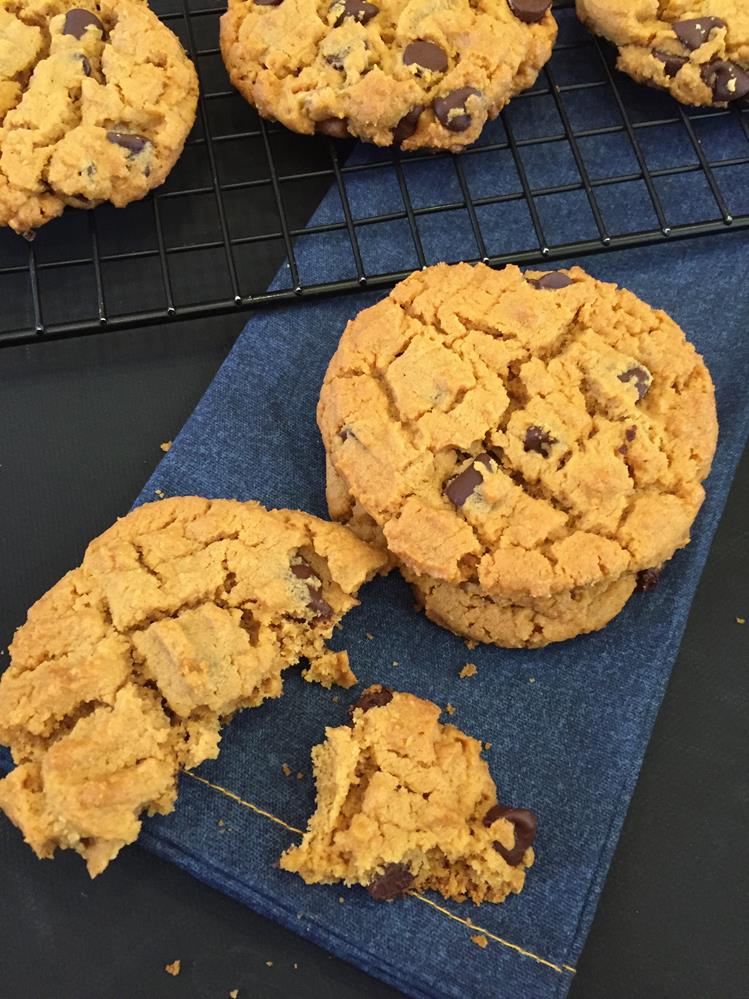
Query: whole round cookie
{"points": [[698, 50], [523, 444], [182, 613], [394, 72], [96, 101]]}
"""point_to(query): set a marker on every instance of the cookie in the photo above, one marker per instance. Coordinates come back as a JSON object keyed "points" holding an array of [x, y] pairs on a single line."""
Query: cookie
{"points": [[184, 612], [415, 74], [407, 804], [519, 443], [96, 102], [698, 50]]}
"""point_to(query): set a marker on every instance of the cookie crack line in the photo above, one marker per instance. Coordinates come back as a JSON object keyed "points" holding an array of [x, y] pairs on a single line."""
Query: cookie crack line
{"points": [[560, 968]]}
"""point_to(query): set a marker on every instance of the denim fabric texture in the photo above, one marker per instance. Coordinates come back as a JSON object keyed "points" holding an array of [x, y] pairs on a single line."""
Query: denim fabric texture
{"points": [[568, 724]]}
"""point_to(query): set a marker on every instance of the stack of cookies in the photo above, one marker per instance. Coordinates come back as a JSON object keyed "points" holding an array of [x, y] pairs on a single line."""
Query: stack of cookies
{"points": [[529, 448]]}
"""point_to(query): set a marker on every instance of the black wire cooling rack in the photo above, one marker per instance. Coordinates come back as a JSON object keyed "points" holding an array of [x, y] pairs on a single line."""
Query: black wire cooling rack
{"points": [[236, 205]]}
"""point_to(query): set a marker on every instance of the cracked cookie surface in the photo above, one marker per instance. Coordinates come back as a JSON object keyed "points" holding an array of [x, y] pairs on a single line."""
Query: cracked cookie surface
{"points": [[96, 102], [416, 73], [184, 612], [698, 50], [518, 441], [406, 803]]}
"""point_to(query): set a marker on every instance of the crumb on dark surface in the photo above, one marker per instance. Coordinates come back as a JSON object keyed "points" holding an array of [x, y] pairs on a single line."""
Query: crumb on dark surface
{"points": [[173, 968]]}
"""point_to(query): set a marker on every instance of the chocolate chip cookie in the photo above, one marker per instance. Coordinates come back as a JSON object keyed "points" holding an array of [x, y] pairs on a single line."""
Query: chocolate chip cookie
{"points": [[96, 102], [522, 444], [407, 804], [698, 50], [413, 73], [181, 614]]}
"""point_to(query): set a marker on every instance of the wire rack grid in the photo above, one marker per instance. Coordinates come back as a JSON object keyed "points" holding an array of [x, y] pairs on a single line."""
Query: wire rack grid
{"points": [[547, 180]]}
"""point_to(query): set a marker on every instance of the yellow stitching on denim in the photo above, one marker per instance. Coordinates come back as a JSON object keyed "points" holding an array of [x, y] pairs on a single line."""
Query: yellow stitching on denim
{"points": [[241, 801], [413, 894]]}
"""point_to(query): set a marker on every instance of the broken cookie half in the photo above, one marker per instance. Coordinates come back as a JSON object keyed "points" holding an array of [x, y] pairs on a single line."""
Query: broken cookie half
{"points": [[182, 613], [405, 803]]}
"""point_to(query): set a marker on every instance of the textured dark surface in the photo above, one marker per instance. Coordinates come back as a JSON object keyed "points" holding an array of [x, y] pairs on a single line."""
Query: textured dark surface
{"points": [[82, 421]]}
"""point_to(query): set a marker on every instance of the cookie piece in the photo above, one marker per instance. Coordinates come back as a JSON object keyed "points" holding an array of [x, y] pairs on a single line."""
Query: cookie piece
{"points": [[183, 612], [407, 804], [96, 101], [393, 72], [526, 438], [698, 50]]}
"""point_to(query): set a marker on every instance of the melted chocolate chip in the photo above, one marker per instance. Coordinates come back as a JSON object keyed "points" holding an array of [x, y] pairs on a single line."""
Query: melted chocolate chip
{"points": [[375, 697], [695, 31], [630, 433], [395, 880], [672, 63], [624, 450], [529, 11], [269, 3], [77, 20], [445, 108], [85, 64], [407, 125], [358, 10], [639, 377], [539, 440], [335, 128], [133, 143], [427, 55], [462, 486], [323, 610], [524, 822], [551, 281], [648, 579], [345, 433], [727, 80]]}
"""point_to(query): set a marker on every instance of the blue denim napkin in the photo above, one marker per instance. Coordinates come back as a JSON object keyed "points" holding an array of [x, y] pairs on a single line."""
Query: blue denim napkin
{"points": [[569, 724]]}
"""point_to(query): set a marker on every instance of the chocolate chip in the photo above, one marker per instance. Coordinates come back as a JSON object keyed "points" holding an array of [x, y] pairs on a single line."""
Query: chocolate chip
{"points": [[648, 579], [727, 80], [85, 64], [395, 880], [336, 128], [695, 31], [529, 11], [672, 63], [133, 143], [374, 697], [551, 281], [524, 822], [345, 433], [407, 125], [630, 433], [624, 450], [359, 10], [77, 20], [640, 377], [336, 60], [323, 610], [445, 108], [269, 3], [539, 440], [462, 486], [427, 55]]}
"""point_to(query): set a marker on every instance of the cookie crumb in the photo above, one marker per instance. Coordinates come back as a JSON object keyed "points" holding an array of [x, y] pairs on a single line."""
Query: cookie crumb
{"points": [[174, 968], [233, 993], [487, 745], [480, 940], [269, 963], [300, 775], [369, 636], [450, 709], [471, 644], [296, 966], [395, 662], [531, 679], [341, 899], [160, 493], [286, 769], [221, 823], [470, 669], [165, 446], [335, 698], [740, 620]]}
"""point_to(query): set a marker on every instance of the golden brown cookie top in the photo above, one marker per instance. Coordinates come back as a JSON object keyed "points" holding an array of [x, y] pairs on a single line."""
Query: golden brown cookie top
{"points": [[696, 49], [410, 72], [404, 802], [532, 433], [96, 101], [183, 612]]}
